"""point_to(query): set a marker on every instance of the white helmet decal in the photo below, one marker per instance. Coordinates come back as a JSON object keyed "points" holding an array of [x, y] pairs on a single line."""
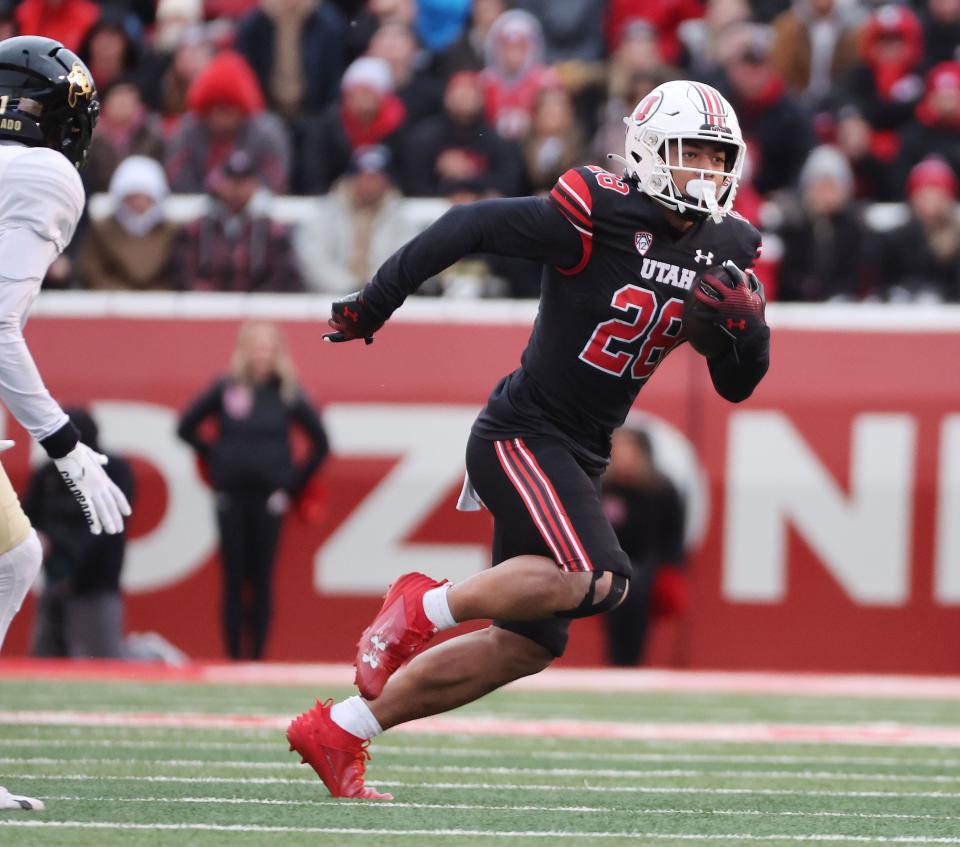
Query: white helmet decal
{"points": [[675, 112]]}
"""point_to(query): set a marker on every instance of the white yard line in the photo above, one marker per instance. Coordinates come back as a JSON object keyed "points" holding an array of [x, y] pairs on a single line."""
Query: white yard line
{"points": [[598, 810], [579, 788], [885, 733], [474, 833], [595, 773], [443, 751]]}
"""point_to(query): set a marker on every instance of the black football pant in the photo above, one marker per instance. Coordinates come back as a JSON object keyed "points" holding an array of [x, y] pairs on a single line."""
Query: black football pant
{"points": [[543, 503], [248, 544]]}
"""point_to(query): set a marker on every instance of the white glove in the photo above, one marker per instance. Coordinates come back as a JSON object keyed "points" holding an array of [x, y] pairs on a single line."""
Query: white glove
{"points": [[102, 502]]}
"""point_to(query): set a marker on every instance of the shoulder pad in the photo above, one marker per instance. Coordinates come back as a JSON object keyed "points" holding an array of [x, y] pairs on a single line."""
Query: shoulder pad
{"points": [[40, 190]]}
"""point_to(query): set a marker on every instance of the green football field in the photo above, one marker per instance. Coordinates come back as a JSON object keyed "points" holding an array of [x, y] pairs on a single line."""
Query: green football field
{"points": [[139, 782]]}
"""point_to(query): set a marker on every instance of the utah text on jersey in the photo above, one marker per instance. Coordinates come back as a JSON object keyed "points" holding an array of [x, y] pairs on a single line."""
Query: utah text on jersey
{"points": [[668, 274]]}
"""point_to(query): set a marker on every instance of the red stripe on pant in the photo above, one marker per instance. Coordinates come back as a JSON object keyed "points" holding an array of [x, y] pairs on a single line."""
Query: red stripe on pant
{"points": [[560, 513], [536, 504], [529, 502]]}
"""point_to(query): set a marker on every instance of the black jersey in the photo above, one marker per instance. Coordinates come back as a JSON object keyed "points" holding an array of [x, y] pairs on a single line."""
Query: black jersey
{"points": [[611, 300]]}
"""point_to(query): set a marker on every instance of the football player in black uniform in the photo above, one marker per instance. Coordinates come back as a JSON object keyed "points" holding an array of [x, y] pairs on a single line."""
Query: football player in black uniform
{"points": [[620, 254]]}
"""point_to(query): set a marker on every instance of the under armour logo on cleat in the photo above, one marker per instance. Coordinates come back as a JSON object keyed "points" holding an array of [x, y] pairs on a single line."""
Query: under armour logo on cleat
{"points": [[350, 314], [378, 643], [370, 659], [740, 324]]}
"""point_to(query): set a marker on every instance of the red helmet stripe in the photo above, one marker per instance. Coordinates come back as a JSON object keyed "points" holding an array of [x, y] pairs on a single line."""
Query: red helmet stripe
{"points": [[713, 105]]}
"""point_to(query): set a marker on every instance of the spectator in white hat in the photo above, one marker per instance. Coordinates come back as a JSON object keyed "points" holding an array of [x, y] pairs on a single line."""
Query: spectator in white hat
{"points": [[132, 248]]}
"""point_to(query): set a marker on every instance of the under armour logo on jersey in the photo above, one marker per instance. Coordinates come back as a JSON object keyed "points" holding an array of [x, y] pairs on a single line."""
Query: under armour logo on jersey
{"points": [[706, 258], [643, 242]]}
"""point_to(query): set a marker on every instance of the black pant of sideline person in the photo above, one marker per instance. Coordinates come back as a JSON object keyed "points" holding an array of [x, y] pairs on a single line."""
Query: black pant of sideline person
{"points": [[249, 525]]}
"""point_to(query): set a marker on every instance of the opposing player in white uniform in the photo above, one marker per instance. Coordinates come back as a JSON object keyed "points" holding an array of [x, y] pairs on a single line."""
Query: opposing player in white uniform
{"points": [[48, 109]]}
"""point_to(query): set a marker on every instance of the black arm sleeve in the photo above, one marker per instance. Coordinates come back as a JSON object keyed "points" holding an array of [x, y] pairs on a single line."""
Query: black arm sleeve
{"points": [[523, 227], [306, 416], [738, 372], [205, 405]]}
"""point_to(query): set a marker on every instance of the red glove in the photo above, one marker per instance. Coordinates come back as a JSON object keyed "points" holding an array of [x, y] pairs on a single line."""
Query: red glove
{"points": [[668, 596]]}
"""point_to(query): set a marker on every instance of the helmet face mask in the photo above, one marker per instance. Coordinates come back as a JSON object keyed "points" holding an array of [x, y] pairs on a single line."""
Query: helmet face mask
{"points": [[673, 114], [47, 97]]}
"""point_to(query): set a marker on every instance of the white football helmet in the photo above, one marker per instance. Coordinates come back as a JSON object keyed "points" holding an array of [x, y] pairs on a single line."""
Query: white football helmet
{"points": [[678, 111]]}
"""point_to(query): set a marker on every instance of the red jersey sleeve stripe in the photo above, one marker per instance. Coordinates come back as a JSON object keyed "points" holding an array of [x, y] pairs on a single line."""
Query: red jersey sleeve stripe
{"points": [[577, 186], [577, 218]]}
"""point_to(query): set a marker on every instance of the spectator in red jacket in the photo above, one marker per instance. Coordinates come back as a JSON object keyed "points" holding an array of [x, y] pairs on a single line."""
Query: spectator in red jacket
{"points": [[515, 73], [67, 21], [225, 113]]}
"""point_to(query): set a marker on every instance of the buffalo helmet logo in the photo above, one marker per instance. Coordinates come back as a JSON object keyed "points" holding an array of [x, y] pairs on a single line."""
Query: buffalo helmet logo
{"points": [[80, 84]]}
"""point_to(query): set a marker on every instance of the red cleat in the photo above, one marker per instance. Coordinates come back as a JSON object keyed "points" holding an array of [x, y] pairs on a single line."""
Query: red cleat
{"points": [[338, 757], [399, 630]]}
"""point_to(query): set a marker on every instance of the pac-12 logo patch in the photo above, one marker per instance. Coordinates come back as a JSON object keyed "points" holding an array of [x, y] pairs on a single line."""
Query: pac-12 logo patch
{"points": [[643, 242]]}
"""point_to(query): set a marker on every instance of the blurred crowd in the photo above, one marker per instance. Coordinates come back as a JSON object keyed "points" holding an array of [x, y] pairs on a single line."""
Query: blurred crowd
{"points": [[844, 104]]}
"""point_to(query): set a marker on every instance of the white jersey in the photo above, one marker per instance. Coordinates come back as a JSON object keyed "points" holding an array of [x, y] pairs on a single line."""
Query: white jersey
{"points": [[41, 200]]}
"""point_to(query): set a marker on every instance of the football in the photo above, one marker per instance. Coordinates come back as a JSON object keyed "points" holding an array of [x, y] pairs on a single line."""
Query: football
{"points": [[702, 317]]}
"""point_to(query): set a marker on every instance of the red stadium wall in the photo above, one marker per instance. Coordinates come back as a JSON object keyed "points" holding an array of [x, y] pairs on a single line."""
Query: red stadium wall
{"points": [[827, 507]]}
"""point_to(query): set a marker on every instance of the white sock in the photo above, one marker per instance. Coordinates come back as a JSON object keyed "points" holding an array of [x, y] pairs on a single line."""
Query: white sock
{"points": [[354, 715], [437, 609]]}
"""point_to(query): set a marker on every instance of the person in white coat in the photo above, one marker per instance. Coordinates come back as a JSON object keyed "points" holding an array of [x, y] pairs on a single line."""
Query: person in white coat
{"points": [[357, 226], [48, 109]]}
